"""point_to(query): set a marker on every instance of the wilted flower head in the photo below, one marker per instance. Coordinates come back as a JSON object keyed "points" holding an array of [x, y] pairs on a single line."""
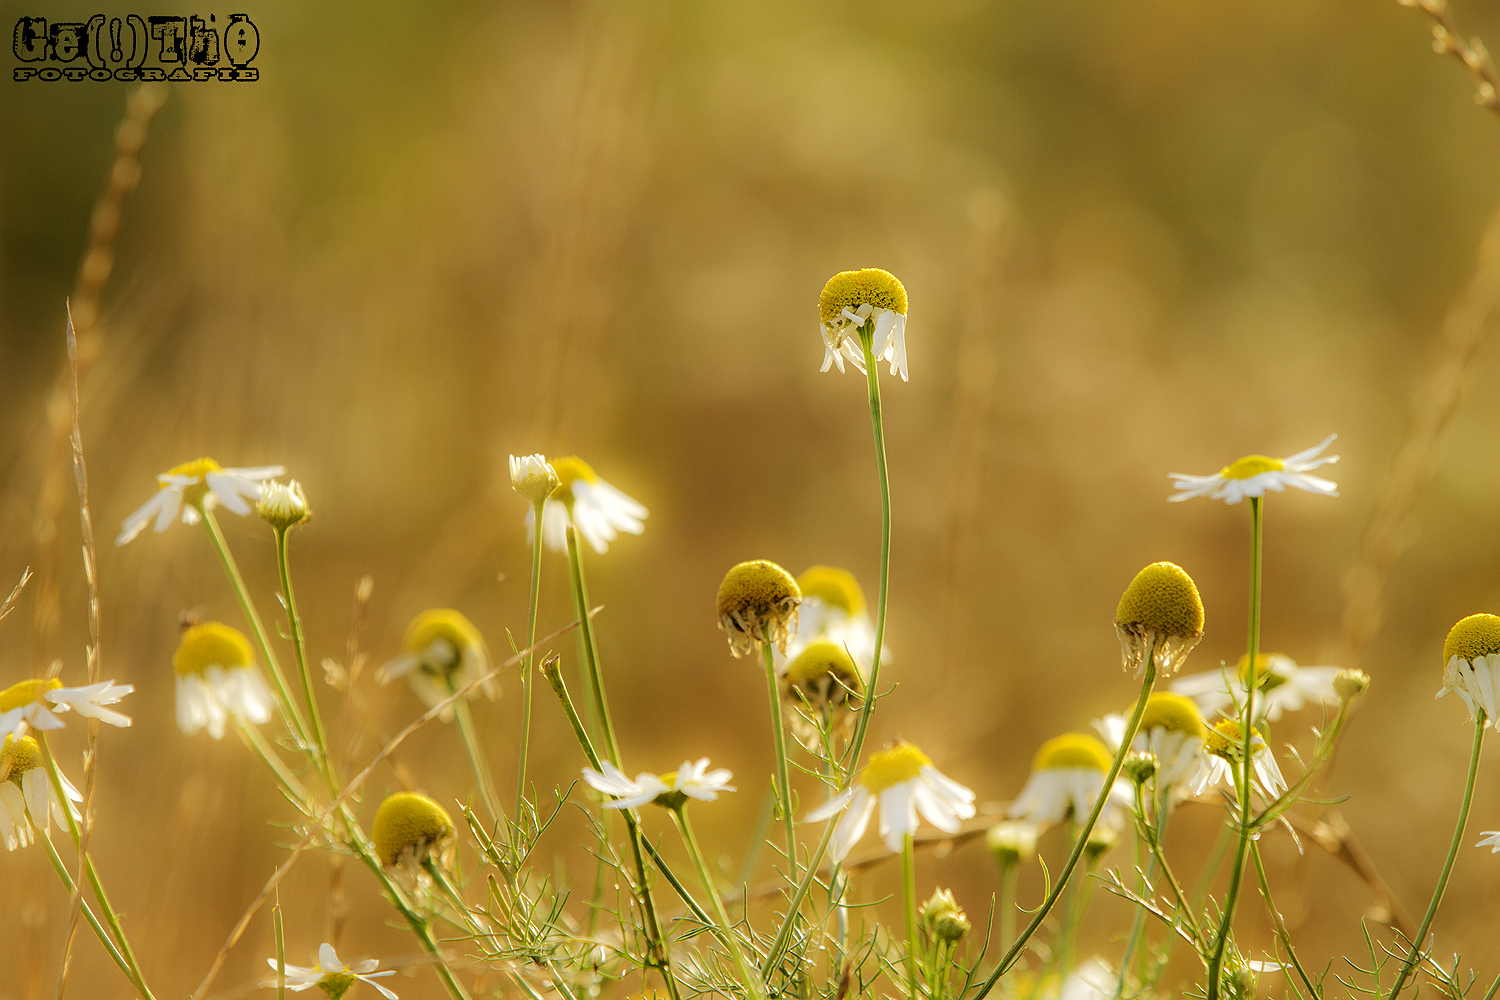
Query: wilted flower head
{"points": [[1471, 664], [283, 505], [758, 603], [217, 679], [595, 508], [409, 829], [194, 487], [533, 477], [1253, 475], [850, 300], [1160, 613], [443, 652]]}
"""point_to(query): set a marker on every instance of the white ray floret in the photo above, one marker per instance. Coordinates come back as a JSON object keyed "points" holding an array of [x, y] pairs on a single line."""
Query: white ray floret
{"points": [[598, 510], [1288, 688]]}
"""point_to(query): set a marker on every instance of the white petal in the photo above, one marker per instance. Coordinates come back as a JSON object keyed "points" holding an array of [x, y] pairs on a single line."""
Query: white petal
{"points": [[853, 824], [328, 959], [231, 492], [830, 808]]}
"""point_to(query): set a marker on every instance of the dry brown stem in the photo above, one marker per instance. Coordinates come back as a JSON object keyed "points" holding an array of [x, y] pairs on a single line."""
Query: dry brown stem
{"points": [[1447, 40]]}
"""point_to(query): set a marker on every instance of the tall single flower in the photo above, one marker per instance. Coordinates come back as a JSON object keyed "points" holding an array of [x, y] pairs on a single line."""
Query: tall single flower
{"points": [[217, 678], [1253, 475], [757, 603], [38, 703], [1172, 730], [332, 976], [194, 487], [443, 652], [1471, 664], [850, 300], [693, 780], [1226, 745], [26, 787], [904, 782], [1283, 686], [1160, 613], [1066, 776], [596, 509]]}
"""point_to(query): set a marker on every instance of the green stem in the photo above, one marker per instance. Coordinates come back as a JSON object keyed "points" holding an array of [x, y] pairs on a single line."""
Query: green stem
{"points": [[1279, 924], [591, 647], [252, 739], [72, 887], [1013, 954], [753, 984], [1246, 764], [299, 645], [289, 711], [477, 761], [783, 779], [526, 664], [758, 838], [280, 952], [418, 926], [778, 947], [1442, 885], [909, 896], [872, 688], [1010, 873]]}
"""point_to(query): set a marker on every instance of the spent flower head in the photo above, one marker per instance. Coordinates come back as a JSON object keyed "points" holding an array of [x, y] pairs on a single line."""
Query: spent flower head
{"points": [[283, 505], [217, 680], [533, 477], [1471, 664], [595, 508], [757, 603], [1161, 615], [194, 487], [409, 829], [332, 976], [1253, 475], [868, 302], [904, 782]]}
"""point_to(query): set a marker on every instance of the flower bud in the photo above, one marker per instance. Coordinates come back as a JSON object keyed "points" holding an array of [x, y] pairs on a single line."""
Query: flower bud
{"points": [[1350, 684], [533, 477], [1011, 841], [943, 918], [283, 505], [1139, 767]]}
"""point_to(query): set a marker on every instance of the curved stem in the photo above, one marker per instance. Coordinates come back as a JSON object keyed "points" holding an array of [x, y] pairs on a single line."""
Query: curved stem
{"points": [[753, 984], [299, 646], [909, 896], [526, 664], [72, 887], [783, 775], [1279, 924], [872, 689], [1458, 836], [477, 761], [590, 647]]}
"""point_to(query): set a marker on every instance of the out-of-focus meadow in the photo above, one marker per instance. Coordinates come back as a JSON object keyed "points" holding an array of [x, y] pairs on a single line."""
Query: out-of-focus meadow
{"points": [[1138, 238]]}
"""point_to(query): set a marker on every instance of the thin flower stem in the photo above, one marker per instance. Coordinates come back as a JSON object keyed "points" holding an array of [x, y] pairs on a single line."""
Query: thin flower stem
{"points": [[252, 738], [299, 646], [108, 911], [1442, 885], [72, 887], [1010, 873], [1246, 764], [909, 897], [477, 761], [753, 984], [778, 947], [758, 838], [1278, 924], [418, 926], [289, 711], [783, 776], [590, 647], [872, 689], [1013, 954], [526, 664]]}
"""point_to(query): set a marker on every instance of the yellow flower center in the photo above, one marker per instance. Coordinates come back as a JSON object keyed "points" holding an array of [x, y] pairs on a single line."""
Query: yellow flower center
{"points": [[24, 756], [1173, 713], [198, 468], [833, 586], [1267, 676], [211, 644], [445, 624], [889, 768], [1072, 750], [756, 588], [1475, 636], [569, 470], [852, 289], [26, 693], [1227, 739], [1251, 465], [1162, 598], [820, 658], [408, 820]]}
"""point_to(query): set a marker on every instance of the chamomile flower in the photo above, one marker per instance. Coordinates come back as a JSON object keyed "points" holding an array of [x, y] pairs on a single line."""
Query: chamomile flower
{"points": [[1253, 475], [409, 829], [1171, 730], [693, 780], [1471, 658], [27, 788], [833, 607], [217, 679], [1225, 744], [39, 702], [904, 782], [533, 477], [850, 300], [196, 486], [757, 603], [1160, 613], [1283, 687], [443, 652], [332, 976], [821, 684], [1066, 776], [596, 509], [283, 505]]}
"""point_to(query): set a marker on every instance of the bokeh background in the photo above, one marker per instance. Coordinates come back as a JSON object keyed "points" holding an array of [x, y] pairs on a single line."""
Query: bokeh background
{"points": [[1138, 238]]}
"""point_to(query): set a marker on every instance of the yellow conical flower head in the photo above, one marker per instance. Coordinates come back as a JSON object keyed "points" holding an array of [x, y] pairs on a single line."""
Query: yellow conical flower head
{"points": [[1473, 637], [1073, 750], [1265, 670], [820, 684], [758, 603], [1174, 713], [199, 468], [1251, 465], [24, 754], [211, 644], [27, 692], [889, 768], [570, 469], [1160, 611], [410, 827], [851, 289], [835, 587], [448, 625], [821, 661]]}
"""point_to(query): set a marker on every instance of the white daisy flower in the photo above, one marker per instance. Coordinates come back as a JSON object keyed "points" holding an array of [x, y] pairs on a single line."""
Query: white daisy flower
{"points": [[693, 780], [1471, 656], [217, 679], [848, 302], [27, 788], [533, 477], [333, 976], [1284, 687], [597, 509], [38, 703], [1066, 776], [443, 652], [198, 485], [1222, 765], [1172, 729], [904, 782], [1252, 475]]}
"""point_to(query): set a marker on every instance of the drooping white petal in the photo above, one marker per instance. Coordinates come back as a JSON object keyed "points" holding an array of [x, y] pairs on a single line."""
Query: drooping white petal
{"points": [[328, 959], [853, 824]]}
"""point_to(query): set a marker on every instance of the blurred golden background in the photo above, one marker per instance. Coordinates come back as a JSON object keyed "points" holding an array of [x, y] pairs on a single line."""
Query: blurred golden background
{"points": [[1138, 238]]}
